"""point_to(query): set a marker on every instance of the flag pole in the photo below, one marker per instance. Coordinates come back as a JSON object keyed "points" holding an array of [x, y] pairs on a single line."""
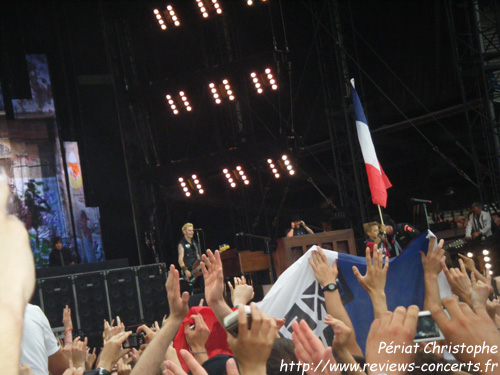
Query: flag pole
{"points": [[381, 218]]}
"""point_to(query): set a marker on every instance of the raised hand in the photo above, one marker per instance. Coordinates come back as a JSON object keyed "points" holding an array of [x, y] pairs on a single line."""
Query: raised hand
{"points": [[376, 272], [173, 368], [480, 292], [253, 346], [178, 303], [396, 328], [431, 262], [150, 334], [241, 293], [324, 273], [198, 336], [79, 352], [214, 278], [91, 357], [67, 322], [310, 351], [474, 328], [459, 281], [112, 350]]}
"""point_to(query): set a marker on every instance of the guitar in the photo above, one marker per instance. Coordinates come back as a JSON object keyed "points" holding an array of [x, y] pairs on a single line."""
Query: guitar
{"points": [[455, 245], [195, 273]]}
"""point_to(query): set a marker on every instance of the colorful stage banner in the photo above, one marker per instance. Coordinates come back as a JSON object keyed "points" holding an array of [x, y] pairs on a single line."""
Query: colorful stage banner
{"points": [[87, 225]]}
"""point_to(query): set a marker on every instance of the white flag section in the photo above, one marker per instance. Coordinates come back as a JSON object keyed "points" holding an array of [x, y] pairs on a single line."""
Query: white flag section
{"points": [[297, 295]]}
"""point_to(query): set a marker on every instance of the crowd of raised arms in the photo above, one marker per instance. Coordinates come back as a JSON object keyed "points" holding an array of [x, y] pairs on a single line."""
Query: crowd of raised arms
{"points": [[469, 324]]}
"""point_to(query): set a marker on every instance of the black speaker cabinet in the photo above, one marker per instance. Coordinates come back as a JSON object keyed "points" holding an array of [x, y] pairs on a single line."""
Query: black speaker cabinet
{"points": [[57, 292], [154, 301], [92, 301], [123, 295]]}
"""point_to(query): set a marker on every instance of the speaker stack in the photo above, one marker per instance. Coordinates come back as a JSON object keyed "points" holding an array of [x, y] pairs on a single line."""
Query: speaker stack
{"points": [[136, 294]]}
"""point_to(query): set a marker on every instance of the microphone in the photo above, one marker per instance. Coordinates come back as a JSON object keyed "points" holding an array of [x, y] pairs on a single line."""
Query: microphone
{"points": [[416, 200]]}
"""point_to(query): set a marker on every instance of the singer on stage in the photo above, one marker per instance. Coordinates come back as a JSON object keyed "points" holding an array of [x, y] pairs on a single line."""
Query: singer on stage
{"points": [[187, 250]]}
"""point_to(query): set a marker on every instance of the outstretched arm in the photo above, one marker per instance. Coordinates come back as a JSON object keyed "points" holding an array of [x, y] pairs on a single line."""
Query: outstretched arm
{"points": [[374, 280], [326, 274], [17, 281], [214, 285], [150, 361]]}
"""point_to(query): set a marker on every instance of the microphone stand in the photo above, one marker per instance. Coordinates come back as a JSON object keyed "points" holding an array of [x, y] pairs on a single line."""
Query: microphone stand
{"points": [[330, 203], [199, 242], [426, 217], [268, 249]]}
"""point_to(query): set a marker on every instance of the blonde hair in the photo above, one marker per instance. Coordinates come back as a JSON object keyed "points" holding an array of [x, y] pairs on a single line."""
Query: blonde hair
{"points": [[187, 225], [369, 226]]}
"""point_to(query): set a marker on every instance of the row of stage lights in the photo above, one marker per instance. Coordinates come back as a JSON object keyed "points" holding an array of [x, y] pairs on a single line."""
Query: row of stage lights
{"points": [[206, 7], [235, 175], [486, 259], [284, 163], [190, 185], [223, 91]]}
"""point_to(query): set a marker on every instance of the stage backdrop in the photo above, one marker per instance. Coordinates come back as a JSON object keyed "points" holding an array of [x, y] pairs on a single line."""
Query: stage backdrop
{"points": [[30, 153]]}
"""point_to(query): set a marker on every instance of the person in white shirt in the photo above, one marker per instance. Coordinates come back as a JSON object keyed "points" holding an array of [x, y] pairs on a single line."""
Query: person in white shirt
{"points": [[39, 347], [479, 224]]}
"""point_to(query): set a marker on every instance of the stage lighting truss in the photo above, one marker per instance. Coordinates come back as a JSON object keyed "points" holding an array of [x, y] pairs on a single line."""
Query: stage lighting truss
{"points": [[167, 17], [284, 164], [235, 174], [190, 185], [261, 80], [208, 7], [223, 90], [178, 101]]}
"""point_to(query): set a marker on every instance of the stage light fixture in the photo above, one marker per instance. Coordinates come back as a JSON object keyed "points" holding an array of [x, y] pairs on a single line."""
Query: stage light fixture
{"points": [[490, 272], [266, 79], [180, 100], [167, 16], [487, 266], [206, 7], [469, 254], [222, 90], [283, 163], [185, 187], [487, 259], [237, 173], [485, 252]]}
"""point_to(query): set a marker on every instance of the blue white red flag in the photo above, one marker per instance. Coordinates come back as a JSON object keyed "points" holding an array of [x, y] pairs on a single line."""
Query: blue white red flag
{"points": [[378, 181]]}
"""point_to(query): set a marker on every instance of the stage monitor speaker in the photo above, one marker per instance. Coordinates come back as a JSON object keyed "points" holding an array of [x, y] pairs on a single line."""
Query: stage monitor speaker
{"points": [[154, 300], [57, 292], [123, 296], [194, 300], [92, 301]]}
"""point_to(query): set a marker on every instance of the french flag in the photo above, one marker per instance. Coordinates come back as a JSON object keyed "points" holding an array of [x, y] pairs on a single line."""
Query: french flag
{"points": [[378, 181]]}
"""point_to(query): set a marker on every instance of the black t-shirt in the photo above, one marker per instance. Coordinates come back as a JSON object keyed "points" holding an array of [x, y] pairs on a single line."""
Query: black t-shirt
{"points": [[190, 250], [61, 257], [298, 231], [404, 233]]}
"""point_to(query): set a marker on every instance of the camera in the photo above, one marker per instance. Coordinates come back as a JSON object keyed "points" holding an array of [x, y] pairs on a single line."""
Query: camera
{"points": [[231, 321], [135, 340], [427, 329]]}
